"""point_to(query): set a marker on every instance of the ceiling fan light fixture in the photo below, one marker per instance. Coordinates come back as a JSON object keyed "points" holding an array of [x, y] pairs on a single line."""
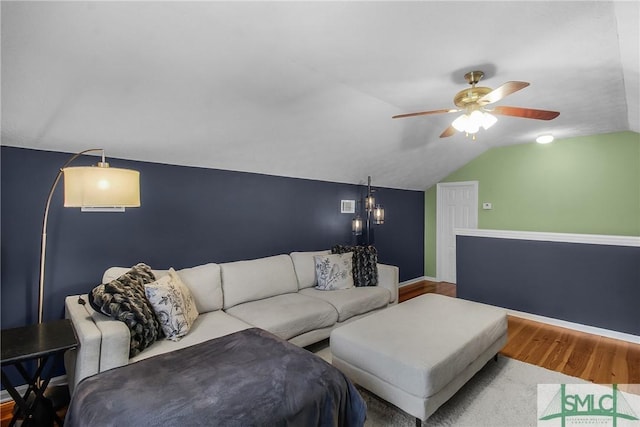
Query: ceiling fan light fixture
{"points": [[472, 128], [471, 123], [488, 120], [460, 124], [476, 117]]}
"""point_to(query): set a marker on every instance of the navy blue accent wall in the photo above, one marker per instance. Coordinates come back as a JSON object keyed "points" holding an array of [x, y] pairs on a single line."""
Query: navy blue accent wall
{"points": [[596, 285], [189, 216]]}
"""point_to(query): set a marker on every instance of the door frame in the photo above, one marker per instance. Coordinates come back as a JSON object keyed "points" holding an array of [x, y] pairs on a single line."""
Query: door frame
{"points": [[440, 247]]}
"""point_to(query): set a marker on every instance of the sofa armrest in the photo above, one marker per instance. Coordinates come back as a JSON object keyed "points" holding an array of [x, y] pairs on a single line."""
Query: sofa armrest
{"points": [[83, 361], [116, 341], [103, 343], [389, 277]]}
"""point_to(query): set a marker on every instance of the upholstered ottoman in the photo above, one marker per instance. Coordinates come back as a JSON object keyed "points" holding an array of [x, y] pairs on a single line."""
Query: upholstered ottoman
{"points": [[419, 353]]}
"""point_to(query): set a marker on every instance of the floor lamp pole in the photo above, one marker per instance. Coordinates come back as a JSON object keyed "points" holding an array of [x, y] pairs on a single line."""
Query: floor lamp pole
{"points": [[369, 208]]}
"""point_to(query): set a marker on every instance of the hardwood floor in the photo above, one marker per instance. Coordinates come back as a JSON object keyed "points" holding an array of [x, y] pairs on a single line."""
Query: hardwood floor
{"points": [[591, 357], [425, 286]]}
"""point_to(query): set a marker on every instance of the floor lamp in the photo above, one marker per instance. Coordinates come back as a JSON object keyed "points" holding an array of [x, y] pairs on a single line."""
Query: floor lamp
{"points": [[374, 215], [98, 186]]}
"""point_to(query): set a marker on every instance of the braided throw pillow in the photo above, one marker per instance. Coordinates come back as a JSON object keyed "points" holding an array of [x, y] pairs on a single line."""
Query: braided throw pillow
{"points": [[124, 299], [365, 263]]}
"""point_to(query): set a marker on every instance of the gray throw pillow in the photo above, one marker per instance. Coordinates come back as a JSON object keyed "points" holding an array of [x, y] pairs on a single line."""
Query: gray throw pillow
{"points": [[333, 272], [124, 299]]}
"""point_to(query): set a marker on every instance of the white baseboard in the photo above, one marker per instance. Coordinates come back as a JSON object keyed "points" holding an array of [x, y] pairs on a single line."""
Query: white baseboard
{"points": [[55, 381], [577, 326], [417, 280]]}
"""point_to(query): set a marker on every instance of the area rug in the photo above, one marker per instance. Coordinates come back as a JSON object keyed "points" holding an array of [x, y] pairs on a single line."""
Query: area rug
{"points": [[502, 394]]}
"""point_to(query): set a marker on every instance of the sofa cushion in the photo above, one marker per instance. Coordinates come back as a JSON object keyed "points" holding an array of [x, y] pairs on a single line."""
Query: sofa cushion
{"points": [[205, 284], [123, 298], [244, 281], [287, 315], [203, 281], [354, 301], [206, 327], [304, 265]]}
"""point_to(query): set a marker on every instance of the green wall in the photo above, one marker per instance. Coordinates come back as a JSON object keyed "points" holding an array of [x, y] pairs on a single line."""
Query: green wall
{"points": [[586, 185]]}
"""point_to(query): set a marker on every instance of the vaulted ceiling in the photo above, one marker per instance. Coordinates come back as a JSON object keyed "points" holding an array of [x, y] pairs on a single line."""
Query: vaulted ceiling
{"points": [[307, 89]]}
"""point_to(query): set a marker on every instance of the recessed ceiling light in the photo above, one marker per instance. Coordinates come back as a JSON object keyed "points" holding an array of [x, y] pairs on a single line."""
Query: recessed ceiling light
{"points": [[544, 139]]}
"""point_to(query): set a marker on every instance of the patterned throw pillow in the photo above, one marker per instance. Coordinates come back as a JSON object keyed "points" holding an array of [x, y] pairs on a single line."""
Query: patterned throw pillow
{"points": [[365, 263], [334, 272], [173, 304], [124, 299]]}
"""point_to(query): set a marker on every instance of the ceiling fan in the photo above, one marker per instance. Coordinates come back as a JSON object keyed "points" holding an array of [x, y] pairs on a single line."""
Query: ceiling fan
{"points": [[473, 102]]}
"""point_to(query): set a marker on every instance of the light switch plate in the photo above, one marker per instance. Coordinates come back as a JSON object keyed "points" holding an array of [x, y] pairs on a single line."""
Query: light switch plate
{"points": [[487, 206]]}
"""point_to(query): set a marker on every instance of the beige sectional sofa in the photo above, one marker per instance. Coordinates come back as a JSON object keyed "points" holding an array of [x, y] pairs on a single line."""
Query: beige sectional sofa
{"points": [[274, 293]]}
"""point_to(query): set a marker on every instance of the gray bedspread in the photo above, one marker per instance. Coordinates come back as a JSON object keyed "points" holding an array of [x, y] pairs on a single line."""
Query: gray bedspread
{"points": [[248, 378]]}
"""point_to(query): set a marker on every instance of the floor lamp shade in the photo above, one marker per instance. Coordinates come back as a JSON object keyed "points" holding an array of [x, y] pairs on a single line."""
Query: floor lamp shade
{"points": [[101, 186]]}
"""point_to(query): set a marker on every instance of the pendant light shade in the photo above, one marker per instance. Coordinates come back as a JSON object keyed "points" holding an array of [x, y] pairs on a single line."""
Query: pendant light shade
{"points": [[356, 226], [378, 215], [101, 186], [369, 202]]}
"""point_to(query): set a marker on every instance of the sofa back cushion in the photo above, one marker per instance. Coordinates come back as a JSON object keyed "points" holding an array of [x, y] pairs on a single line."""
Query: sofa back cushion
{"points": [[244, 281], [305, 267], [203, 281]]}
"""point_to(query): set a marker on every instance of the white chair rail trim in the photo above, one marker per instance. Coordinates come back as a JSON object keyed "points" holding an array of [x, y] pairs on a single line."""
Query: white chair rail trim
{"points": [[594, 239]]}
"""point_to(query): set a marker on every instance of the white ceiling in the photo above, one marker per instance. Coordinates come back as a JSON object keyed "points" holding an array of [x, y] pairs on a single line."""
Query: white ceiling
{"points": [[307, 89]]}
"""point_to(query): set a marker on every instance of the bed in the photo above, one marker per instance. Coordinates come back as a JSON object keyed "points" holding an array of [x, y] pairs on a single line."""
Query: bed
{"points": [[248, 378]]}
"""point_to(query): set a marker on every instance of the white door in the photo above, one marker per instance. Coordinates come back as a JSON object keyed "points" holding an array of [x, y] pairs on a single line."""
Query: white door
{"points": [[457, 207]]}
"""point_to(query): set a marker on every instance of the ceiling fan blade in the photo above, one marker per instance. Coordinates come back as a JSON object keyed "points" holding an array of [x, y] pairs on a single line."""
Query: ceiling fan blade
{"points": [[423, 113], [527, 113], [450, 131], [506, 89]]}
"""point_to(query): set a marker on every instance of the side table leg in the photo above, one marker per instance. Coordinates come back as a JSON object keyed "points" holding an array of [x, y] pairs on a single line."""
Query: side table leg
{"points": [[39, 411]]}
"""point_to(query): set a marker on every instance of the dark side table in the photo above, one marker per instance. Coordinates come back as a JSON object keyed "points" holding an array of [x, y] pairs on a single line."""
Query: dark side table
{"points": [[44, 343]]}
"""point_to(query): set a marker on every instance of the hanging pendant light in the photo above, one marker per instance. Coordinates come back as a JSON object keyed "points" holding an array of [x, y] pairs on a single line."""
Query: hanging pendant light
{"points": [[356, 226], [378, 215], [373, 215]]}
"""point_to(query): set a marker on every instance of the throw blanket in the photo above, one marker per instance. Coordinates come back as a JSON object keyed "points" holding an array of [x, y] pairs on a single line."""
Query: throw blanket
{"points": [[248, 378]]}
